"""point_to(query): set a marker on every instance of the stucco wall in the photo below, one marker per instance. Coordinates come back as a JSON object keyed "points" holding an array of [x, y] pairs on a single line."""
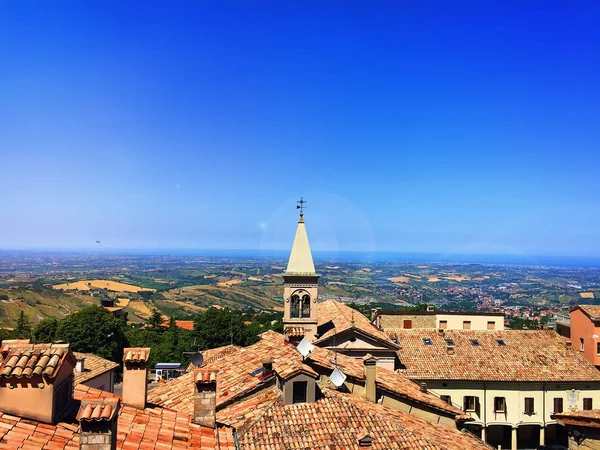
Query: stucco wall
{"points": [[515, 394], [397, 321], [583, 328], [478, 322], [103, 382]]}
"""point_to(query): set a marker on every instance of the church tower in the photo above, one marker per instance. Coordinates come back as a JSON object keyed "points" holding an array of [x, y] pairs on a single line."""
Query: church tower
{"points": [[300, 289]]}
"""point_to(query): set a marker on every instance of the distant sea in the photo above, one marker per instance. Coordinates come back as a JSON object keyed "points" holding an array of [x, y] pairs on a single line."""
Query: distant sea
{"points": [[398, 257]]}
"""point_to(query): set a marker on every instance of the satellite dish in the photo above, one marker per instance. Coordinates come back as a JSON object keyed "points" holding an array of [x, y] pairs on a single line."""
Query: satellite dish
{"points": [[305, 347], [337, 377], [197, 359]]}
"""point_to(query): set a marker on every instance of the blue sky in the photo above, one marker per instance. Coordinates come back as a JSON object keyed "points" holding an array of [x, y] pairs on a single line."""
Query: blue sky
{"points": [[462, 127]]}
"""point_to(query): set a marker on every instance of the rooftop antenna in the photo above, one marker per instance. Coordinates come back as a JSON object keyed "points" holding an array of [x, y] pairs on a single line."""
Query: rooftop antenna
{"points": [[301, 206], [197, 359], [352, 318], [337, 377], [305, 347]]}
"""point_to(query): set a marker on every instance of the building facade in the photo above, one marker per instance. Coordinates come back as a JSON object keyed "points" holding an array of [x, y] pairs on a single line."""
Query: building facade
{"points": [[585, 331], [406, 320]]}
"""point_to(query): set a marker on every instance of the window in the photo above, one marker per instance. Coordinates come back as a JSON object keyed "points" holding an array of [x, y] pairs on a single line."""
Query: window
{"points": [[450, 342], [501, 342], [295, 307], [300, 308], [299, 392], [470, 403], [466, 324], [427, 341], [443, 324], [407, 323], [475, 343], [529, 406], [446, 398], [598, 348], [491, 325], [558, 405], [306, 306], [587, 404], [499, 404], [581, 344]]}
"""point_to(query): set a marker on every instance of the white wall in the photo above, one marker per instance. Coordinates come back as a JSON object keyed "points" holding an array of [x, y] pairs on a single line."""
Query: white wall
{"points": [[478, 321]]}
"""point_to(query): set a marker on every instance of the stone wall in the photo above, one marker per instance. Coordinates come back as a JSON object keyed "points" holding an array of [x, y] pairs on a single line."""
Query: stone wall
{"points": [[390, 322]]}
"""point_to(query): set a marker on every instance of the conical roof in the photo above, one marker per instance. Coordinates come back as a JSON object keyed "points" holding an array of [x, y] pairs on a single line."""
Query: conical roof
{"points": [[301, 261]]}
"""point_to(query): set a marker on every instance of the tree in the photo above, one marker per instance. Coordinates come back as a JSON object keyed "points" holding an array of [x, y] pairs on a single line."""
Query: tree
{"points": [[217, 327], [45, 331], [23, 328], [94, 330], [155, 320]]}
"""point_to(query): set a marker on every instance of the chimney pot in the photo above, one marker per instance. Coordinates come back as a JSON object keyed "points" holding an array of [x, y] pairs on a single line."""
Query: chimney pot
{"points": [[205, 397], [267, 368], [80, 365], [370, 364], [569, 344], [98, 421], [423, 387], [135, 376]]}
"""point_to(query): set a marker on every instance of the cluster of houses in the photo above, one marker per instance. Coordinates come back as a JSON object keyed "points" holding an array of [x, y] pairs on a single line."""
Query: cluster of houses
{"points": [[334, 379]]}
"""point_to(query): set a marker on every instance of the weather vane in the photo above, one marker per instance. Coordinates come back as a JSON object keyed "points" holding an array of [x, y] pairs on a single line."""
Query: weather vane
{"points": [[300, 205]]}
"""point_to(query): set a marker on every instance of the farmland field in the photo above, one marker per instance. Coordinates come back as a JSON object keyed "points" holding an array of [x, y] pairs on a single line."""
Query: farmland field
{"points": [[101, 284]]}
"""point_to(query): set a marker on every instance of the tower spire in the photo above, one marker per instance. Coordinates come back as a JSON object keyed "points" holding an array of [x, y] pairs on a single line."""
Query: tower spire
{"points": [[301, 261]]}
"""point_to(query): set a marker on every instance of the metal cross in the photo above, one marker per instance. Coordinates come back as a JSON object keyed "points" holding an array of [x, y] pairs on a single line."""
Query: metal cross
{"points": [[300, 205]]}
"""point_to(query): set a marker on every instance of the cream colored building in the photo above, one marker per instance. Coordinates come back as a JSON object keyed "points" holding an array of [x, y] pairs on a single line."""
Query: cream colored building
{"points": [[401, 320], [510, 382]]}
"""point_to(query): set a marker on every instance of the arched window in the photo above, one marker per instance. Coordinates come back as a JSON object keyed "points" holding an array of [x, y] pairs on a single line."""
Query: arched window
{"points": [[306, 306], [295, 307]]}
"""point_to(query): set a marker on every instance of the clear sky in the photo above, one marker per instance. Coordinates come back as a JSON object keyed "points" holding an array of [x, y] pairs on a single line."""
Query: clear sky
{"points": [[413, 126]]}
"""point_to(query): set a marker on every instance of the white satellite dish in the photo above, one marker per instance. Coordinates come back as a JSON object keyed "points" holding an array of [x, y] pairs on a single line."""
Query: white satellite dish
{"points": [[337, 377], [305, 347]]}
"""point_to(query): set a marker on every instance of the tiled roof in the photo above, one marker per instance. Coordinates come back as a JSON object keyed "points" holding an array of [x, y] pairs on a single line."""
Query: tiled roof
{"points": [[589, 419], [98, 408], [344, 318], [214, 354], [339, 420], [244, 413], [33, 359], [591, 310], [138, 429], [93, 367], [136, 354], [539, 355], [239, 374], [183, 324]]}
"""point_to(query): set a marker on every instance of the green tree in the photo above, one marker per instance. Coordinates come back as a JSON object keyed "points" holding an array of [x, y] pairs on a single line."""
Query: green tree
{"points": [[45, 331], [156, 320], [217, 327], [94, 330], [23, 328]]}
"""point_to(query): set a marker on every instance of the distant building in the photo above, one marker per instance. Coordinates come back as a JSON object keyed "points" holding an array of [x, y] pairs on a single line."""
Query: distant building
{"points": [[510, 382], [405, 320], [585, 331]]}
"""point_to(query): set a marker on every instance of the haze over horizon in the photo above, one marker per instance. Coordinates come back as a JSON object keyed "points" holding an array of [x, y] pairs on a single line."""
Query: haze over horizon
{"points": [[466, 128]]}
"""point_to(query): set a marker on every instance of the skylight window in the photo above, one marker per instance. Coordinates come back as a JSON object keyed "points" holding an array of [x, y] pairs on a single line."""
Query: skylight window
{"points": [[475, 343], [501, 342], [450, 342], [427, 341]]}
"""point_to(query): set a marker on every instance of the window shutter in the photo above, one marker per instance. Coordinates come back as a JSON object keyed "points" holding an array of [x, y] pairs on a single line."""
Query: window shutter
{"points": [[558, 405], [587, 404]]}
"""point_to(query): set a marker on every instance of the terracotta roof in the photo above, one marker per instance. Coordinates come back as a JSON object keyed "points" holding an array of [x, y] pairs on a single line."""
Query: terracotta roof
{"points": [[138, 429], [240, 375], [536, 355], [593, 311], [33, 359], [589, 418], [339, 420], [98, 408], [214, 354], [341, 317], [93, 367], [136, 354], [184, 324], [294, 331]]}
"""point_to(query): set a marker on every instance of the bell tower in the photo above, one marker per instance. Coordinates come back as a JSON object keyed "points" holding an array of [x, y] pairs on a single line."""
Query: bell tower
{"points": [[300, 290]]}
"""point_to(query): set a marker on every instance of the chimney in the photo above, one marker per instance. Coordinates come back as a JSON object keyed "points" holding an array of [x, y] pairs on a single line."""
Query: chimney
{"points": [[80, 365], [370, 364], [267, 369], [423, 387], [430, 308], [569, 344], [97, 418], [450, 349], [135, 376], [205, 397]]}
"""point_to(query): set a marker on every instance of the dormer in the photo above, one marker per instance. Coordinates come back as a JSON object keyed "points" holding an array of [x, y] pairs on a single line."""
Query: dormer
{"points": [[36, 381], [299, 387]]}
